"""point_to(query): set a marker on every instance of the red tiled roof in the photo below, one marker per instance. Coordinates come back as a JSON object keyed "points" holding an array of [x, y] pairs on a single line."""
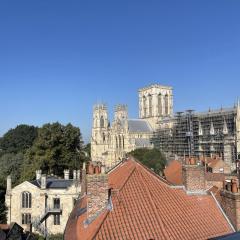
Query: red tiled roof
{"points": [[173, 173], [4, 226], [146, 207], [215, 177]]}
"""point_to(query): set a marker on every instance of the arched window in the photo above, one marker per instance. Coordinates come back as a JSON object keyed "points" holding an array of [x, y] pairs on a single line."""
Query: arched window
{"points": [[101, 122], [166, 105], [120, 142], [104, 138], [116, 142], [144, 106], [123, 142], [150, 104], [160, 104], [26, 200]]}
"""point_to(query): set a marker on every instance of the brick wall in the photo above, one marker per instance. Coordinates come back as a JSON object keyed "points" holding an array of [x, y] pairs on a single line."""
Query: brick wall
{"points": [[193, 177], [97, 192], [230, 202]]}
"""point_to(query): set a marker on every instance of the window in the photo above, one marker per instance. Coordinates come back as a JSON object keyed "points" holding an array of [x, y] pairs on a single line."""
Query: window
{"points": [[26, 200], [160, 104], [56, 203], [166, 105], [101, 122], [150, 104], [26, 218], [56, 219], [144, 106]]}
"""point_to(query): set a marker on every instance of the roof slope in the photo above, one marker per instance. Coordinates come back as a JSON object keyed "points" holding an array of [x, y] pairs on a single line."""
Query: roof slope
{"points": [[139, 125], [146, 207], [173, 172]]}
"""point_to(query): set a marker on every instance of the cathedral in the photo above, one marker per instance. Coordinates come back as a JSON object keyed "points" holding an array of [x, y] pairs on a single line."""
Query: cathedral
{"points": [[111, 142], [214, 132]]}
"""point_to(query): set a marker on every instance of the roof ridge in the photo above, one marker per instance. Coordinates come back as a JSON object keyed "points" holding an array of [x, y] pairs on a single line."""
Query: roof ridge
{"points": [[160, 222]]}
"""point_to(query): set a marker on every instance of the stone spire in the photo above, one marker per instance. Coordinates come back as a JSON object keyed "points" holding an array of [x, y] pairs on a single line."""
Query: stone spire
{"points": [[212, 130], [225, 128], [200, 130]]}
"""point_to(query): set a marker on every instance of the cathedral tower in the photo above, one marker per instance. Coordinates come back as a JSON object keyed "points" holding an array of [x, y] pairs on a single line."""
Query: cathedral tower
{"points": [[100, 132], [121, 112], [155, 103]]}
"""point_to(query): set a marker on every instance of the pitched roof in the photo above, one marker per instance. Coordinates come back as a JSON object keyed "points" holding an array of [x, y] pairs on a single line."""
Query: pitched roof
{"points": [[146, 207], [54, 183], [173, 172], [139, 125]]}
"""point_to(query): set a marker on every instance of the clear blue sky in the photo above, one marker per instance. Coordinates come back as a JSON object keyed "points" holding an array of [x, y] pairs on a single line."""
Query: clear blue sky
{"points": [[58, 58]]}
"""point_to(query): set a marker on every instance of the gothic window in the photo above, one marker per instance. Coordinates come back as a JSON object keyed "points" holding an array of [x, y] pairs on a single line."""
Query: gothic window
{"points": [[26, 200], [159, 104], [101, 122], [123, 142], [150, 104], [56, 219], [166, 104], [120, 143], [26, 218], [144, 106], [116, 142]]}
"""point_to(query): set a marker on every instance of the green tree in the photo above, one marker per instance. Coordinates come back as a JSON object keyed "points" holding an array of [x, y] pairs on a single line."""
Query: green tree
{"points": [[18, 139], [3, 208], [10, 165], [57, 147], [152, 158]]}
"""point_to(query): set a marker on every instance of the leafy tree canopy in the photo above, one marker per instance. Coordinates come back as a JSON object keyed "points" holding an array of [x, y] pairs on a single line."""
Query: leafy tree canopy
{"points": [[3, 211], [10, 164], [57, 147], [18, 139], [152, 158]]}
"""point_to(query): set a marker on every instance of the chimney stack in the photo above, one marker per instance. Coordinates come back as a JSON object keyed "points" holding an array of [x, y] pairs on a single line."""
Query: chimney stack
{"points": [[78, 174], [193, 176], [230, 202], [66, 174], [74, 174], [38, 174], [43, 181], [9, 183], [97, 194]]}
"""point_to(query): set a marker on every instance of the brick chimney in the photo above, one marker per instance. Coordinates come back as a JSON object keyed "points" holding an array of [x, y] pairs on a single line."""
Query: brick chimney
{"points": [[230, 201], [193, 176], [97, 193]]}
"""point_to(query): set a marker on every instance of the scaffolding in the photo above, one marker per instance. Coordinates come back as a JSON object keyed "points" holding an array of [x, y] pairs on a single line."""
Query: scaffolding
{"points": [[197, 134]]}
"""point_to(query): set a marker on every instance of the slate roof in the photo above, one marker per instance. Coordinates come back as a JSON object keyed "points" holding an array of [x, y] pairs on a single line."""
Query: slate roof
{"points": [[54, 183], [142, 142], [146, 207], [139, 125]]}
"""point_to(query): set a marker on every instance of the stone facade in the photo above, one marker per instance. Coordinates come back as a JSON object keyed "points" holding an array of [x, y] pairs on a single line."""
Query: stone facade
{"points": [[214, 132], [42, 200], [111, 142]]}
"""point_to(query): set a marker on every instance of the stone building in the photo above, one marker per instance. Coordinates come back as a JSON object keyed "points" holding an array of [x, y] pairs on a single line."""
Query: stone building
{"points": [[111, 142], [214, 132], [43, 204]]}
